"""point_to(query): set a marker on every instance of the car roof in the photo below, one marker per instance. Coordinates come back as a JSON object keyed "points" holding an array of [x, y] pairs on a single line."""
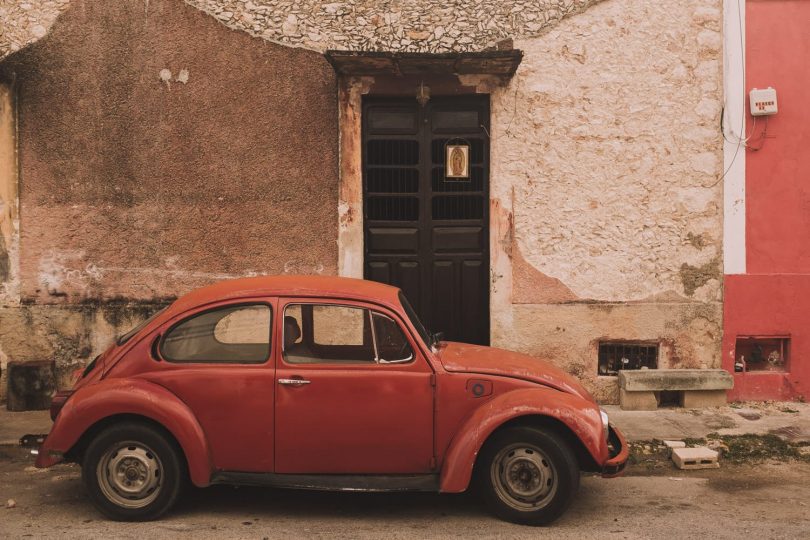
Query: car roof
{"points": [[289, 285]]}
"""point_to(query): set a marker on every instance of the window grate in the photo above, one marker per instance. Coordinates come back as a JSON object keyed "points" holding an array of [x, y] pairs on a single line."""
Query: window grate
{"points": [[440, 184], [618, 355], [393, 208], [392, 180], [392, 152]]}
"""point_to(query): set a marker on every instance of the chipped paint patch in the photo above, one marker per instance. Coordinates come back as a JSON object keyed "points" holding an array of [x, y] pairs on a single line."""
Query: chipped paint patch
{"points": [[9, 201], [350, 198]]}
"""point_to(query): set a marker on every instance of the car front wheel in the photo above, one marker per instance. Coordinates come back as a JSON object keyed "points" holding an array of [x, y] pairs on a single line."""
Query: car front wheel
{"points": [[132, 472], [527, 475]]}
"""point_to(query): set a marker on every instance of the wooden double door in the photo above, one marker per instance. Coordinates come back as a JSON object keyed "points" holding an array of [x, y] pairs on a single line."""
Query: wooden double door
{"points": [[426, 231]]}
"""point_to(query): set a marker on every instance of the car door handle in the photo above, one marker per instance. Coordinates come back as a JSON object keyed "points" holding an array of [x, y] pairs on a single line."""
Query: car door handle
{"points": [[293, 382]]}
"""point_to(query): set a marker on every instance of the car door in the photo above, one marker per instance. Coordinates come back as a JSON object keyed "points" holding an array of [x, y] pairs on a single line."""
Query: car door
{"points": [[345, 402], [218, 360]]}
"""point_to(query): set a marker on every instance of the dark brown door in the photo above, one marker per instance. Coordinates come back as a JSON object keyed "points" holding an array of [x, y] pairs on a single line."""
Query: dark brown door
{"points": [[425, 232]]}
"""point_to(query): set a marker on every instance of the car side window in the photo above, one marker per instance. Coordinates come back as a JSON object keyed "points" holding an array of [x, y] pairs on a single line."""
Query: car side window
{"points": [[392, 345], [334, 334], [327, 334], [233, 334]]}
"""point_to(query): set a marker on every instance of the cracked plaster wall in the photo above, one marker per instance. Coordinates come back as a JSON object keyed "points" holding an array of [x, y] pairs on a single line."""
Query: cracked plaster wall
{"points": [[606, 159]]}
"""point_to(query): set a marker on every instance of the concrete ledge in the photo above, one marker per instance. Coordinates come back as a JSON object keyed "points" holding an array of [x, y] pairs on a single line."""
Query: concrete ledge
{"points": [[637, 401], [657, 380]]}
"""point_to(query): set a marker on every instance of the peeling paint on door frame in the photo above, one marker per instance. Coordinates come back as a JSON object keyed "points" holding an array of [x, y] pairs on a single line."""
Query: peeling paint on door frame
{"points": [[9, 197]]}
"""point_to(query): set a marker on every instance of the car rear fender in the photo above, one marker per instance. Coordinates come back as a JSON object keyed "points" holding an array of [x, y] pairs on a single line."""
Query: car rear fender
{"points": [[113, 397], [581, 417]]}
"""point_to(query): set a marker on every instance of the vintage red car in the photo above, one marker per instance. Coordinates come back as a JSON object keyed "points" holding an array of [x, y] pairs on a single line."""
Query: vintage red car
{"points": [[322, 383]]}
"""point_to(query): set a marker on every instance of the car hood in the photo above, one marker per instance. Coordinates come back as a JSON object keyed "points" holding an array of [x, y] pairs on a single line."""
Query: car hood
{"points": [[465, 358]]}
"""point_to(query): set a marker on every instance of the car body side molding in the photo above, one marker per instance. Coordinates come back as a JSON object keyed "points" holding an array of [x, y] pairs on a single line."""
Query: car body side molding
{"points": [[332, 482]]}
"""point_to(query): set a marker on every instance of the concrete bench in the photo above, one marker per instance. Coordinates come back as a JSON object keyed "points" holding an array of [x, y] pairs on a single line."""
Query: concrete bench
{"points": [[639, 390]]}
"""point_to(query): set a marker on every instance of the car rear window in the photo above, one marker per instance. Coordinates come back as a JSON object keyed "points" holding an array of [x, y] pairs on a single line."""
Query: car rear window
{"points": [[233, 334]]}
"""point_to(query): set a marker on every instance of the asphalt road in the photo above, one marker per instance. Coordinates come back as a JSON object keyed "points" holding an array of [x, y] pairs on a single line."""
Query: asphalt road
{"points": [[745, 501]]}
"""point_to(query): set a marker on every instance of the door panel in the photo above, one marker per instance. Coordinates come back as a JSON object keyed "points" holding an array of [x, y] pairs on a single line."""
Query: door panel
{"points": [[425, 233], [353, 418], [354, 421]]}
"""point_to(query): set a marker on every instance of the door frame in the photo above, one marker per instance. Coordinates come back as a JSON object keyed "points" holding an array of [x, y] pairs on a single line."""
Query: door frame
{"points": [[351, 90]]}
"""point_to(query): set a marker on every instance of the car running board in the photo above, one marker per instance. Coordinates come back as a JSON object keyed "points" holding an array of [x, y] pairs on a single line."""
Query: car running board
{"points": [[331, 482]]}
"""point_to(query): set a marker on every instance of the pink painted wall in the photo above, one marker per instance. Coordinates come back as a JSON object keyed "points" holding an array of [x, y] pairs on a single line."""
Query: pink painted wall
{"points": [[773, 298], [778, 176], [769, 305]]}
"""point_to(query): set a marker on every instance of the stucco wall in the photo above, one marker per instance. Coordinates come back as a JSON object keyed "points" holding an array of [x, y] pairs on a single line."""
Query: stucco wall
{"points": [[160, 152], [606, 199]]}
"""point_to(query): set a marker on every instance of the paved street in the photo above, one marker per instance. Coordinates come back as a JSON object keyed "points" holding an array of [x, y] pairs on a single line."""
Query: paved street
{"points": [[743, 501]]}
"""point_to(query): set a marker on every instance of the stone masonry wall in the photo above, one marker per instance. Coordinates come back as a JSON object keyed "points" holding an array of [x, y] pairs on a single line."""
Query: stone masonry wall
{"points": [[606, 148], [404, 25]]}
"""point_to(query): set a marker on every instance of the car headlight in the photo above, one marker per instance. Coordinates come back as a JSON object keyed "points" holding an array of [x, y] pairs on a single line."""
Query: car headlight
{"points": [[605, 422]]}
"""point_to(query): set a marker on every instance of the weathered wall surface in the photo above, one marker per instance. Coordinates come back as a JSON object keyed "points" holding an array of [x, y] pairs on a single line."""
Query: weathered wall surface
{"points": [[188, 152], [606, 201], [179, 153], [71, 335], [23, 22], [412, 25], [159, 151]]}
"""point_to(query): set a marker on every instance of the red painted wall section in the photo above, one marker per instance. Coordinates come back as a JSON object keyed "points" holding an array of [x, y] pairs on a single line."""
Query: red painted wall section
{"points": [[769, 306], [773, 298], [777, 176]]}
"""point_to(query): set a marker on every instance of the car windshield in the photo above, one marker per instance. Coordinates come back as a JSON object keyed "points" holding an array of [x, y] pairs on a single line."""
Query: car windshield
{"points": [[126, 337], [411, 313]]}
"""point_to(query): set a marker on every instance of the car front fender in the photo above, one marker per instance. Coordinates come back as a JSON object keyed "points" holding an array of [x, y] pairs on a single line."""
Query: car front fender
{"points": [[113, 397], [580, 416]]}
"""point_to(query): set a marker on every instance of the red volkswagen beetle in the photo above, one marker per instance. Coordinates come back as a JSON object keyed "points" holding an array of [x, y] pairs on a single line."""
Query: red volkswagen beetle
{"points": [[323, 383]]}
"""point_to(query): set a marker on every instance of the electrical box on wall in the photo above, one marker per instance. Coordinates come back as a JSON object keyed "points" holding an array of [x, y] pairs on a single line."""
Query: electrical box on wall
{"points": [[763, 101]]}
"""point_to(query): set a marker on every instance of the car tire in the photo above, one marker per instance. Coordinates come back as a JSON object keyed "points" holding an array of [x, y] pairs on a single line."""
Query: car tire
{"points": [[527, 475], [133, 472]]}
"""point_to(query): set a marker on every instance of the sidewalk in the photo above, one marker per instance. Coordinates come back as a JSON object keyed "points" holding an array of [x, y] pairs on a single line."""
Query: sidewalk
{"points": [[790, 421]]}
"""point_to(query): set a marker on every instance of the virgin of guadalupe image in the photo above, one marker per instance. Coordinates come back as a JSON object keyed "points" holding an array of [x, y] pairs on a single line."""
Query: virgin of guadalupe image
{"points": [[457, 164]]}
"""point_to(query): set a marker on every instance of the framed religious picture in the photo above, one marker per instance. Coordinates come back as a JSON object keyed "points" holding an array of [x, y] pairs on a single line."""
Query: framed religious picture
{"points": [[457, 162]]}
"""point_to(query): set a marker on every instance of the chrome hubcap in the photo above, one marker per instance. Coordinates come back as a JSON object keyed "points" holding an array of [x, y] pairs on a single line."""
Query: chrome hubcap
{"points": [[129, 474], [524, 477]]}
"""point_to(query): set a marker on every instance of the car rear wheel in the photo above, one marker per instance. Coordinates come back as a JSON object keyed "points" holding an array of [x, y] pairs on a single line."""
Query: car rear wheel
{"points": [[528, 476], [132, 472]]}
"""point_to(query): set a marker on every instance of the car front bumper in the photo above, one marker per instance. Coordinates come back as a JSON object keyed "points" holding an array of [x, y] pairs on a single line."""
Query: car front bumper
{"points": [[619, 454]]}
